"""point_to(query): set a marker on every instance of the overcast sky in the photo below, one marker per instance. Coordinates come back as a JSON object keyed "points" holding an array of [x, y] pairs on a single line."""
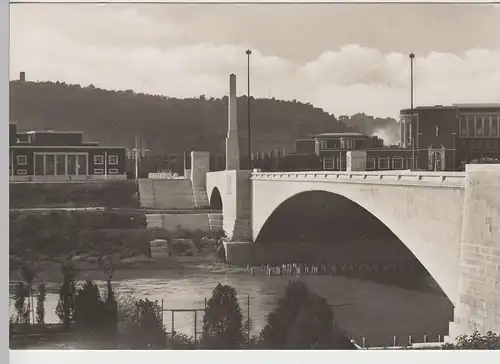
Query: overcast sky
{"points": [[342, 58]]}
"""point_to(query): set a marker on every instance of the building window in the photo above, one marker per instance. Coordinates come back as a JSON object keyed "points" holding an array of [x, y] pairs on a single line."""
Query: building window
{"points": [[98, 159], [21, 160], [397, 163], [494, 144], [328, 163], [113, 171], [463, 125], [383, 163], [98, 171], [370, 163], [22, 171], [487, 126], [411, 165], [479, 125], [470, 126], [113, 159], [495, 121]]}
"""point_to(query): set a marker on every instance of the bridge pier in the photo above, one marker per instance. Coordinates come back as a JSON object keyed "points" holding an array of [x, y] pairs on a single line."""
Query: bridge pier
{"points": [[478, 304]]}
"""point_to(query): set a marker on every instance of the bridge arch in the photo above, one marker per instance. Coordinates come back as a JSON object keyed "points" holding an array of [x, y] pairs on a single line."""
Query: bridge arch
{"points": [[423, 219], [216, 199]]}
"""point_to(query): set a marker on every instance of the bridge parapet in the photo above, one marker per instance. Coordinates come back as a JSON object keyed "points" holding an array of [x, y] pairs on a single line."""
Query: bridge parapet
{"points": [[408, 178]]}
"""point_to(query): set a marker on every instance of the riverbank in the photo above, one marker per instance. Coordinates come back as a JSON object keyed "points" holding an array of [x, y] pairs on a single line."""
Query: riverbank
{"points": [[131, 268]]}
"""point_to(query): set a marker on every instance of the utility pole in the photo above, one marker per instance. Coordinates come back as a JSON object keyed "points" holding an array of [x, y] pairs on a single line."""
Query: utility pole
{"points": [[249, 52]]}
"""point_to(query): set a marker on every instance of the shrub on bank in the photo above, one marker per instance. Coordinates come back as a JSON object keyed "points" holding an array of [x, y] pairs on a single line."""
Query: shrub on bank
{"points": [[60, 233], [88, 194], [476, 341]]}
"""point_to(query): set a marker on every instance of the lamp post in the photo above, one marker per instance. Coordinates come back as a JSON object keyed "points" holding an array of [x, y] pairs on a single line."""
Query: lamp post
{"points": [[248, 53], [412, 56]]}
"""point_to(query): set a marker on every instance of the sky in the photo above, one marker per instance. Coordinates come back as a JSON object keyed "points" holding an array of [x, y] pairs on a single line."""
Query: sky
{"points": [[343, 58]]}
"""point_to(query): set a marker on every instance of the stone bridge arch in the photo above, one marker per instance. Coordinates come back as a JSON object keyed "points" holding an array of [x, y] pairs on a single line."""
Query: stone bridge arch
{"points": [[215, 199], [427, 220]]}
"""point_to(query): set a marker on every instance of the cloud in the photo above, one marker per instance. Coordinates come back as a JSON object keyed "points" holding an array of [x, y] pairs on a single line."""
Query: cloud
{"points": [[122, 49]]}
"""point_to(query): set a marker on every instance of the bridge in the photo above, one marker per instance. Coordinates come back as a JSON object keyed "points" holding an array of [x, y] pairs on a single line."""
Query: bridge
{"points": [[450, 221]]}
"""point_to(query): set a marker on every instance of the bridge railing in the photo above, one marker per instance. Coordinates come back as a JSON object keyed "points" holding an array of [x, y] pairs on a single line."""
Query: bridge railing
{"points": [[441, 179]]}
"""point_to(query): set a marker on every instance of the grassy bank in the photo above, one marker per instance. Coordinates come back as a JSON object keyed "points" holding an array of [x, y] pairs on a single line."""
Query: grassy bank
{"points": [[122, 194], [58, 233]]}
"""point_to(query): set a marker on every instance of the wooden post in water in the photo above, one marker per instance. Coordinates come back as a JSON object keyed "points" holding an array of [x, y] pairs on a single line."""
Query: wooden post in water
{"points": [[395, 341], [364, 342]]}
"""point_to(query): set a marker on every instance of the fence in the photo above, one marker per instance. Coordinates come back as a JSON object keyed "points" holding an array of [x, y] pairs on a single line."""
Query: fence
{"points": [[173, 311]]}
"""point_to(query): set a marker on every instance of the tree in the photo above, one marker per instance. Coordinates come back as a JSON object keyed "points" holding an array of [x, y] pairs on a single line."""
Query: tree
{"points": [[313, 327], [20, 296], [67, 293], [89, 314], [111, 306], [40, 304], [222, 322], [279, 321], [28, 273], [476, 341], [301, 320]]}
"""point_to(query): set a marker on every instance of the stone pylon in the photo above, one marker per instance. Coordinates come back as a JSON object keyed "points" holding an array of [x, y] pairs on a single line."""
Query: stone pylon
{"points": [[232, 145]]}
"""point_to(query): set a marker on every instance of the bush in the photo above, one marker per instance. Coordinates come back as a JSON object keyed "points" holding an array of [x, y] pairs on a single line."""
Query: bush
{"points": [[93, 194], [476, 341], [144, 328]]}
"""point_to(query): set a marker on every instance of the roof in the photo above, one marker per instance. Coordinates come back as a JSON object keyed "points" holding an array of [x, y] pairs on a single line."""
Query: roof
{"points": [[53, 132], [477, 105], [451, 107], [333, 135]]}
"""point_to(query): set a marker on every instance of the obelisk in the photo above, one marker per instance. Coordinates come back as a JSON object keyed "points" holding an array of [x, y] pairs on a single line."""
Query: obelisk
{"points": [[232, 146]]}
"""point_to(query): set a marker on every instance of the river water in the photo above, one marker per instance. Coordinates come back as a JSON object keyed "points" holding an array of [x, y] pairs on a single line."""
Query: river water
{"points": [[366, 309]]}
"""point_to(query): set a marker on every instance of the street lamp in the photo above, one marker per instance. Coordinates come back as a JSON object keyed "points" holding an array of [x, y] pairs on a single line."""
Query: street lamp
{"points": [[248, 53], [412, 56]]}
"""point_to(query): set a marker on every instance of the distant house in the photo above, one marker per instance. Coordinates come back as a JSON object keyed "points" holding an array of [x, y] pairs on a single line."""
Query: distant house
{"points": [[62, 156]]}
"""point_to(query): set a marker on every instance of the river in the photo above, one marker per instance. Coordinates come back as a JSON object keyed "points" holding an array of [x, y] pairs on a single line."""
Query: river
{"points": [[372, 310]]}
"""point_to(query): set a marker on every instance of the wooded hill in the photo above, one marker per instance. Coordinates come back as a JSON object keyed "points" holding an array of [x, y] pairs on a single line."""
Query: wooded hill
{"points": [[168, 125]]}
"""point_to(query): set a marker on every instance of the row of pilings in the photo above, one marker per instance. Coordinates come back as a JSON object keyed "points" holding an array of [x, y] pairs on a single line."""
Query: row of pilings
{"points": [[407, 273]]}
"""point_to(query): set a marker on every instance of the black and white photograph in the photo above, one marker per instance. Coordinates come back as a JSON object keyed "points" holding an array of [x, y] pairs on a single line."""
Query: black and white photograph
{"points": [[253, 176]]}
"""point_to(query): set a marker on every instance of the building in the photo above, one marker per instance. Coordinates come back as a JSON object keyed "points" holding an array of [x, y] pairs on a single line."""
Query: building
{"points": [[437, 138], [61, 156], [448, 137], [333, 147]]}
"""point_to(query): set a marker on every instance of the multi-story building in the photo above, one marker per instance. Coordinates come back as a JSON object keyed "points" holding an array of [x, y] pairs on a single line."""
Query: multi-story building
{"points": [[448, 137], [437, 138], [61, 156]]}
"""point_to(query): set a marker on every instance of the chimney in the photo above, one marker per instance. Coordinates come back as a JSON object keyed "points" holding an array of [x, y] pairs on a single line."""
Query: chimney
{"points": [[22, 76], [232, 145]]}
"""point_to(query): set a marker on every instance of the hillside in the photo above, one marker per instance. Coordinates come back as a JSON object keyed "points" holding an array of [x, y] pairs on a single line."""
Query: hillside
{"points": [[167, 124]]}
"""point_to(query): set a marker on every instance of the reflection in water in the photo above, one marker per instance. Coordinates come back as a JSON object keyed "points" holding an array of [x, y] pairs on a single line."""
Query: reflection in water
{"points": [[369, 309]]}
